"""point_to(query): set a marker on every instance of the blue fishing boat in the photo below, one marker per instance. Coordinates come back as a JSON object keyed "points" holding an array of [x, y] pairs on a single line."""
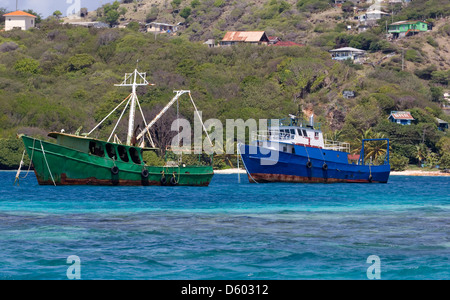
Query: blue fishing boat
{"points": [[297, 152]]}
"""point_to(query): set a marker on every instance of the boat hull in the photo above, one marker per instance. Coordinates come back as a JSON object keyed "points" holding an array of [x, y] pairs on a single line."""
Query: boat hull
{"points": [[58, 165], [325, 166]]}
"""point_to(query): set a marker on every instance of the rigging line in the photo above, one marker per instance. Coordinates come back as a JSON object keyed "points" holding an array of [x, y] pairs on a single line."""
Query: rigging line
{"points": [[46, 162], [19, 170], [31, 160], [245, 166], [120, 118], [198, 114], [145, 123], [109, 114]]}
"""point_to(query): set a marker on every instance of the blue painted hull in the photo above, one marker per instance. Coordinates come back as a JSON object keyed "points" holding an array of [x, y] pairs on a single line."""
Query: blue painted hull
{"points": [[264, 165]]}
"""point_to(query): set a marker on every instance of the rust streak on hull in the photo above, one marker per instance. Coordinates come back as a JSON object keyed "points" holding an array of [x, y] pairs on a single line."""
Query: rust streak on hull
{"points": [[102, 182], [260, 177]]}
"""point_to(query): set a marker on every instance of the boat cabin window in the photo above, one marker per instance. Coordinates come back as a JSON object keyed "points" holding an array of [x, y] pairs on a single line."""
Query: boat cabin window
{"points": [[134, 154], [316, 134], [293, 131], [304, 133], [123, 153], [299, 132], [96, 149], [111, 151]]}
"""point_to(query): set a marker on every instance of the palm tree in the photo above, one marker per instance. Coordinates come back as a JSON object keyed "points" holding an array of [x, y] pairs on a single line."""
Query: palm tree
{"points": [[421, 153], [376, 150]]}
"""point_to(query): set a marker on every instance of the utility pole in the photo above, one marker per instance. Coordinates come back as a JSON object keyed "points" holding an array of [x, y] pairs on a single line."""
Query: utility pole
{"points": [[17, 5]]}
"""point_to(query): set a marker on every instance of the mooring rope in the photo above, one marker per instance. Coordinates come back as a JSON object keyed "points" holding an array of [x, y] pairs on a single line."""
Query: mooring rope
{"points": [[46, 162], [250, 175]]}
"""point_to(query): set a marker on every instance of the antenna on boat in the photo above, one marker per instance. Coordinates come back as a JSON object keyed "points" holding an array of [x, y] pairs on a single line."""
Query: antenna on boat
{"points": [[134, 80]]}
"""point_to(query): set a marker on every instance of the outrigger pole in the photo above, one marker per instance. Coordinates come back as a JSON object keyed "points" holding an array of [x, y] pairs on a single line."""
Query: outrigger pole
{"points": [[161, 113]]}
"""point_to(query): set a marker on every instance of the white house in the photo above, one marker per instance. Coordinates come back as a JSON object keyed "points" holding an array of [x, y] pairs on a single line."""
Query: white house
{"points": [[19, 19]]}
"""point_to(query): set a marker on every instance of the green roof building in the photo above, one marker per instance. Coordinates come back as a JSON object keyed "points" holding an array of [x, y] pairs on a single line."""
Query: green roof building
{"points": [[406, 28]]}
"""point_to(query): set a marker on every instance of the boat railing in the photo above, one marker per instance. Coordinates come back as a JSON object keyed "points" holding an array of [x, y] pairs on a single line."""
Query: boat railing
{"points": [[271, 135], [337, 146]]}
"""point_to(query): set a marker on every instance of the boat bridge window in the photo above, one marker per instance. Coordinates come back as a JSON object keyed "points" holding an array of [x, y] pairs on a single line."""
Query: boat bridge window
{"points": [[96, 149], [304, 133], [316, 134], [299, 132], [134, 154], [111, 151], [293, 131], [123, 153]]}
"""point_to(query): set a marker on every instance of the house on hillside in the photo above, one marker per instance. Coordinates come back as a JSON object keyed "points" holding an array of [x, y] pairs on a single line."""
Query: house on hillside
{"points": [[276, 41], [89, 24], [370, 17], [348, 94], [19, 19], [155, 27], [446, 104], [248, 37], [273, 40], [401, 117], [345, 53], [211, 43], [407, 28], [442, 125]]}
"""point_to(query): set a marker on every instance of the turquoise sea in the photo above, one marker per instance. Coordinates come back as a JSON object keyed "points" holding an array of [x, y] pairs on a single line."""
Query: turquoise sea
{"points": [[227, 230]]}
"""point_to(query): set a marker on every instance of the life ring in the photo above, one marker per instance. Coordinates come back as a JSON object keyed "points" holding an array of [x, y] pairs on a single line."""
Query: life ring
{"points": [[309, 164], [163, 180], [325, 166], [115, 170], [144, 173], [173, 181]]}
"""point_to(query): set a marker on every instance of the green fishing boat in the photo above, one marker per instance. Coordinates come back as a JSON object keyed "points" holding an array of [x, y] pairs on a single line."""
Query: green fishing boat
{"points": [[76, 159]]}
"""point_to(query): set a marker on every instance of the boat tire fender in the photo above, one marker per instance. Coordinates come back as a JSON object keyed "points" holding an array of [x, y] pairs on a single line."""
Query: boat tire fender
{"points": [[115, 170], [144, 173], [173, 181], [163, 180], [309, 164], [370, 178], [325, 166]]}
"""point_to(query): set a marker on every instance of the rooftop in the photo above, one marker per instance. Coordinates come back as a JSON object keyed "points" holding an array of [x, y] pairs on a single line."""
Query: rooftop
{"points": [[19, 13], [406, 22], [402, 115], [243, 36], [347, 49]]}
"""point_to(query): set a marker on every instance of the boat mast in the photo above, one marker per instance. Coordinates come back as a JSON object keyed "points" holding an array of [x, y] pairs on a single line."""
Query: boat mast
{"points": [[134, 80]]}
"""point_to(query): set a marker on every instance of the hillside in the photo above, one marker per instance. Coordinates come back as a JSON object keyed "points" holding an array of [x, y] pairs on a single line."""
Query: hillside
{"points": [[306, 22], [61, 76]]}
